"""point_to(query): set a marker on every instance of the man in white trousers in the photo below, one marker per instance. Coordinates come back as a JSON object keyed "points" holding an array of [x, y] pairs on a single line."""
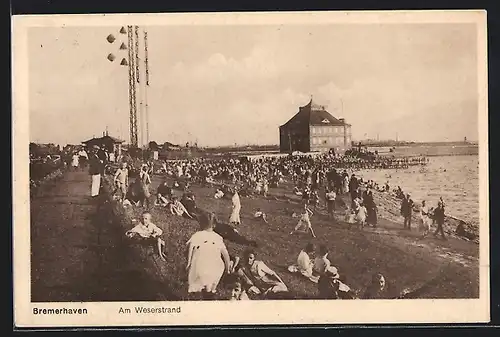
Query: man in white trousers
{"points": [[95, 171]]}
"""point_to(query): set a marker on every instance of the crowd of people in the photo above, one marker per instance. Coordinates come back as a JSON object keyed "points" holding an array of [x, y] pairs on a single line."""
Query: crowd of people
{"points": [[209, 263]]}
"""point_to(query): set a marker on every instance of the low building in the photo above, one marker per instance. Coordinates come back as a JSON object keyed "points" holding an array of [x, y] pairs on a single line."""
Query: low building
{"points": [[313, 129], [110, 144]]}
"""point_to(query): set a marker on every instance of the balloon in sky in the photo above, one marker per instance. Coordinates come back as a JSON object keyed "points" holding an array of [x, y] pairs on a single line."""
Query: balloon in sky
{"points": [[111, 38], [111, 57]]}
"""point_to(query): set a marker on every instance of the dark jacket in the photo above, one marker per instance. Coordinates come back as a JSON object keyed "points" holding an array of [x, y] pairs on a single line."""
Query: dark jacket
{"points": [[95, 165], [439, 215], [406, 207]]}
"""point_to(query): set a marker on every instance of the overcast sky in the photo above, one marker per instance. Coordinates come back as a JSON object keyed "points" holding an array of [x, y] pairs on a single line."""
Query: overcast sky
{"points": [[236, 84]]}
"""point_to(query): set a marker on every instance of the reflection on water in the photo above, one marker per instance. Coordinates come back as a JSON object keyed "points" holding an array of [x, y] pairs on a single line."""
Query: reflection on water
{"points": [[455, 178]]}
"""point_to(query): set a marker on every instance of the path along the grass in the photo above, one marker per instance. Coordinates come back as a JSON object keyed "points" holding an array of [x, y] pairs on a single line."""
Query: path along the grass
{"points": [[77, 250]]}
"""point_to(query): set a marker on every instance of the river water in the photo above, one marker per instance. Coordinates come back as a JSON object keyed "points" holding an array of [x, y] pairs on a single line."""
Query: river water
{"points": [[455, 178]]}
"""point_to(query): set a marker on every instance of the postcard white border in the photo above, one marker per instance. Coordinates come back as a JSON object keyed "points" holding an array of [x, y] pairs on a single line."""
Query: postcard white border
{"points": [[250, 312]]}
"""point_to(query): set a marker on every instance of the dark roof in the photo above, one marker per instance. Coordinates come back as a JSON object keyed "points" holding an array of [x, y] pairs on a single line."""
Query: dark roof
{"points": [[105, 139], [313, 114]]}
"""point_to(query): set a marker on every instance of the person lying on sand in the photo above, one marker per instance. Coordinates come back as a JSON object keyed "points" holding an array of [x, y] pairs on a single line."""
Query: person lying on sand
{"points": [[149, 233]]}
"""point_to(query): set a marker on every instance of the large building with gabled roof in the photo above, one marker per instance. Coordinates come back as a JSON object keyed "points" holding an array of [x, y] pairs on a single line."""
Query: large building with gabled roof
{"points": [[313, 129]]}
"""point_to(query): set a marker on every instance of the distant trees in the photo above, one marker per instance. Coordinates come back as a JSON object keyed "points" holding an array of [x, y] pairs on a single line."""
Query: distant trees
{"points": [[42, 150], [153, 146]]}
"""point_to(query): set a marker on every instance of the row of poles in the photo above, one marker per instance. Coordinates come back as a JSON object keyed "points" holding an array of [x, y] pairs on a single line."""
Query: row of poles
{"points": [[137, 62]]}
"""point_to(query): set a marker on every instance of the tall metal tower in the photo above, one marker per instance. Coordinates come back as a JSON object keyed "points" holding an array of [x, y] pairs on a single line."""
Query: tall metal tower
{"points": [[138, 84]]}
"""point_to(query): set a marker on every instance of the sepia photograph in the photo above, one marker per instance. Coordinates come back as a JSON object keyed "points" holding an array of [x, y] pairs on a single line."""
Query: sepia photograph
{"points": [[326, 167]]}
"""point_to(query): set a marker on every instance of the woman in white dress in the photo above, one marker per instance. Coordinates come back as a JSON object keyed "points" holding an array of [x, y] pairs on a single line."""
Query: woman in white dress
{"points": [[75, 161], [235, 214], [425, 220], [207, 259], [361, 213]]}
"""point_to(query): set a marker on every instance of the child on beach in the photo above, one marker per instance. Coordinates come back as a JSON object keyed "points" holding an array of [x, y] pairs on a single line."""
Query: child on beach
{"points": [[304, 223], [330, 201], [149, 233], [121, 181], [207, 259]]}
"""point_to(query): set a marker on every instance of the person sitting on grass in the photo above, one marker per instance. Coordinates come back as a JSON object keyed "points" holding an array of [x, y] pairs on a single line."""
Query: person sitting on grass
{"points": [[177, 208], [297, 191], [377, 288], [330, 287], [304, 223], [258, 278], [237, 289], [305, 264], [321, 262], [218, 194], [163, 194], [149, 233], [228, 232], [135, 192], [260, 215], [188, 200]]}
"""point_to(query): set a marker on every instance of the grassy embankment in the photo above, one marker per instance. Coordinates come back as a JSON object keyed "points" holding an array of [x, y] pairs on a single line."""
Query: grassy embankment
{"points": [[446, 269]]}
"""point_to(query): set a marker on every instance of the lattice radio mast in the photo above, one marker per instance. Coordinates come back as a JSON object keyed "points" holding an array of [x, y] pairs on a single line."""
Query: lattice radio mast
{"points": [[138, 84], [132, 88]]}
